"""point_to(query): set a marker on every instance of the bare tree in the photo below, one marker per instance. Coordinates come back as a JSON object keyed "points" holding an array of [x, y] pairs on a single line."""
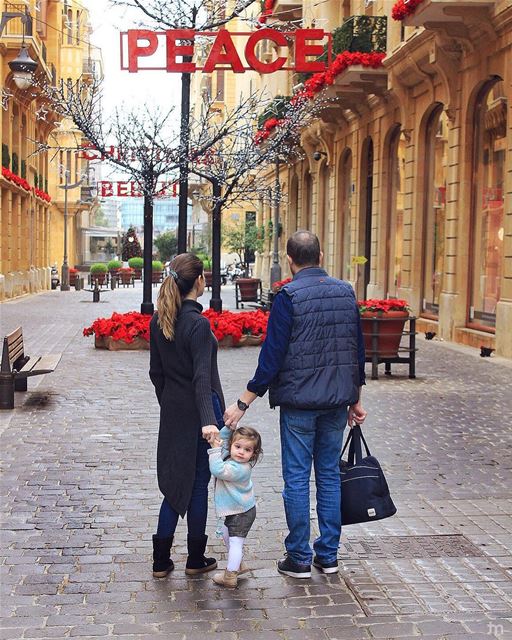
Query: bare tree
{"points": [[225, 151]]}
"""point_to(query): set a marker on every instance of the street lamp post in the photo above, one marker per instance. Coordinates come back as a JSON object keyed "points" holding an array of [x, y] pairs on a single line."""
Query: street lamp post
{"points": [[216, 300], [184, 150], [64, 278], [275, 271], [147, 306]]}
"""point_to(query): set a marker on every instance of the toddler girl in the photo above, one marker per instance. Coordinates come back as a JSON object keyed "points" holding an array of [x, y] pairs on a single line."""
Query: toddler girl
{"points": [[232, 457]]}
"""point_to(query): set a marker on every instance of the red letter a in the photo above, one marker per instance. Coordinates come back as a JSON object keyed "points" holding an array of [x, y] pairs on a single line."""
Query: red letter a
{"points": [[228, 56]]}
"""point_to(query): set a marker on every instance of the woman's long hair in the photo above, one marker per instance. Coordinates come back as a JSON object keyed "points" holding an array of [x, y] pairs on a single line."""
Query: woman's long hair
{"points": [[184, 271]]}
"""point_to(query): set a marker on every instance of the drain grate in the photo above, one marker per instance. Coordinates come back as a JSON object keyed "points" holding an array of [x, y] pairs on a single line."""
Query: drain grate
{"points": [[405, 547]]}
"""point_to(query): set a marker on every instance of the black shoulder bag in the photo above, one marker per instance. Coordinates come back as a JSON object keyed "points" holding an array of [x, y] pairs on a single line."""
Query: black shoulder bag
{"points": [[364, 490]]}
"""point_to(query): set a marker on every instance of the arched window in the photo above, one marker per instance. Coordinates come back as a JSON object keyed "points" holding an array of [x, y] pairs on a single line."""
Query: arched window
{"points": [[322, 223], [395, 211], [307, 202], [78, 16], [487, 210], [69, 26], [365, 218], [293, 205], [344, 211], [436, 168]]}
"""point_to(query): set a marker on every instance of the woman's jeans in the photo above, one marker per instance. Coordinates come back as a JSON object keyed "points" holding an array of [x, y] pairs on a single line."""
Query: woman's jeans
{"points": [[197, 510], [306, 437]]}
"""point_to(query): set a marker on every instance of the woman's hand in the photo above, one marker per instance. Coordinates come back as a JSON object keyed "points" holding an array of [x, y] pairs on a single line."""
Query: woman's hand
{"points": [[209, 432]]}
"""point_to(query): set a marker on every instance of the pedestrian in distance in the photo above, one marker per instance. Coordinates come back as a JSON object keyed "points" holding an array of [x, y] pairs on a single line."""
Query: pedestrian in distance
{"points": [[232, 459], [312, 364], [183, 370]]}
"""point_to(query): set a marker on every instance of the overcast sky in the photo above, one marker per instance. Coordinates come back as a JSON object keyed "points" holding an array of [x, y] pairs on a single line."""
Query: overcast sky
{"points": [[152, 87]]}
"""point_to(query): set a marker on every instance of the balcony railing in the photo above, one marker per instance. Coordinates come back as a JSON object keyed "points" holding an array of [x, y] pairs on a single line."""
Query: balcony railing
{"points": [[15, 26], [367, 34], [276, 109], [88, 67]]}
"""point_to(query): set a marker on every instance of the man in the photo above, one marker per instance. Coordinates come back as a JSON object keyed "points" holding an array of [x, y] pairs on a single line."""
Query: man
{"points": [[312, 362]]}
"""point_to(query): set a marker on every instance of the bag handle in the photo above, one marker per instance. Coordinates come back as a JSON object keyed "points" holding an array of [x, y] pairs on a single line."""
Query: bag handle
{"points": [[355, 454]]}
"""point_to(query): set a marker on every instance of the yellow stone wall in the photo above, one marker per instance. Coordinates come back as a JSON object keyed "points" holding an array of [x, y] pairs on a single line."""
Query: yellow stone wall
{"points": [[443, 65], [32, 231]]}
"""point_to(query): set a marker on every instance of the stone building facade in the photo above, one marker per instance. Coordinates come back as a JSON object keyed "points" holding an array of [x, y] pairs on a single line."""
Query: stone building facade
{"points": [[56, 34], [410, 165]]}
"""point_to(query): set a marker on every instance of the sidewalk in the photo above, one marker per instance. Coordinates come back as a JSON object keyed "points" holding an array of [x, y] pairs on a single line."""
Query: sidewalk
{"points": [[80, 502]]}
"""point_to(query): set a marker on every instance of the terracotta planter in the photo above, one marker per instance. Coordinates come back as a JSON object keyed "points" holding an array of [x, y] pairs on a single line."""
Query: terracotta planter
{"points": [[118, 345], [252, 341], [207, 278], [137, 274], [125, 277], [227, 342], [388, 327], [99, 277], [157, 277], [73, 279]]}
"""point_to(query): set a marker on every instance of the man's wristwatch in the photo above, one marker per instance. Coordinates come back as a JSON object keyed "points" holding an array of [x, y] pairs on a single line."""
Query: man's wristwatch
{"points": [[243, 406]]}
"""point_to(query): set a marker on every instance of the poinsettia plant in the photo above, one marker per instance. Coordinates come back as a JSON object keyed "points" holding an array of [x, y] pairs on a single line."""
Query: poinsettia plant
{"points": [[382, 306], [404, 8], [128, 326], [227, 323], [121, 326], [277, 286]]}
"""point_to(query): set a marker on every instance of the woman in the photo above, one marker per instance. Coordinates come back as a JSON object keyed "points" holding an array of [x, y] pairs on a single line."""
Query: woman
{"points": [[183, 369]]}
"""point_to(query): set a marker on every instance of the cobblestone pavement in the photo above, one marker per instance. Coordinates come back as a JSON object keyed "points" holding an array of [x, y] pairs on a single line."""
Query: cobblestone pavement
{"points": [[80, 502]]}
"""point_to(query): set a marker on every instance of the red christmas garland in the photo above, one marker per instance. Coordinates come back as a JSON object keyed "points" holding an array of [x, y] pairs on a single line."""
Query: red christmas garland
{"points": [[320, 81], [42, 194], [404, 8], [18, 180], [24, 184], [268, 5]]}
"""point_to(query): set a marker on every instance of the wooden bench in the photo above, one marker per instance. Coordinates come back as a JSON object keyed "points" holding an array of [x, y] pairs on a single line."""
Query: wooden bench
{"points": [[16, 367]]}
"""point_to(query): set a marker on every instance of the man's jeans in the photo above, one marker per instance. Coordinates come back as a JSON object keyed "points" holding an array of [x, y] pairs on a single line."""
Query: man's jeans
{"points": [[306, 437]]}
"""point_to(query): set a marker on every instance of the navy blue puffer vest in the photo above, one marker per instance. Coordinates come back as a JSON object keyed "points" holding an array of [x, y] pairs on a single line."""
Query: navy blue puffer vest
{"points": [[320, 370]]}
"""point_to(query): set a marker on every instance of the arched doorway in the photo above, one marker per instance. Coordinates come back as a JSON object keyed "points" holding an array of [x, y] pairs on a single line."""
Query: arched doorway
{"points": [[344, 206], [487, 205], [434, 217], [365, 218], [307, 201], [395, 211]]}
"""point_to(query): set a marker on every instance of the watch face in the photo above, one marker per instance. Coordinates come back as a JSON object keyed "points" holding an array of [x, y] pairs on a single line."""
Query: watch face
{"points": [[242, 406]]}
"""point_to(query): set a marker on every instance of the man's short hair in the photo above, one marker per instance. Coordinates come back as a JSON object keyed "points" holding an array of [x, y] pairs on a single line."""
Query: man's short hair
{"points": [[303, 247]]}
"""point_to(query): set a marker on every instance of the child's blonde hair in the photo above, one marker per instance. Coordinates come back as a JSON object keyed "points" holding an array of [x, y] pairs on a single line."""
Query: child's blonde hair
{"points": [[250, 434]]}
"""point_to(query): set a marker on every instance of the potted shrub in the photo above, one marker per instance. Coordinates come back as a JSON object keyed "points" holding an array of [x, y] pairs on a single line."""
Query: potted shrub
{"points": [[125, 276], [73, 276], [137, 265], [383, 324], [113, 267], [158, 271], [98, 273]]}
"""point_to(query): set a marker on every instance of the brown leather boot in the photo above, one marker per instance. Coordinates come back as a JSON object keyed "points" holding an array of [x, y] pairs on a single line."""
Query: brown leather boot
{"points": [[226, 579]]}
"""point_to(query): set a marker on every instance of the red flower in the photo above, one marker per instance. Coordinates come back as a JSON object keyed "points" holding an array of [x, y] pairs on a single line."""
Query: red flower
{"points": [[277, 286], [382, 305], [404, 8], [121, 326]]}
